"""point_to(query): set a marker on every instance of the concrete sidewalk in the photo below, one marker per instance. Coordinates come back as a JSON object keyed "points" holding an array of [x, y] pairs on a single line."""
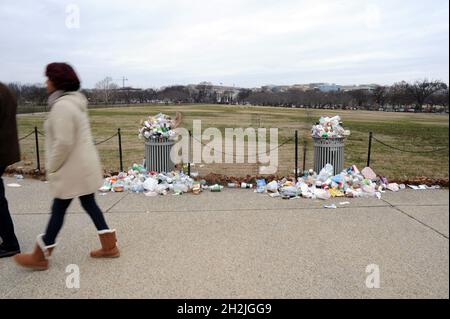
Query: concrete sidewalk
{"points": [[239, 244]]}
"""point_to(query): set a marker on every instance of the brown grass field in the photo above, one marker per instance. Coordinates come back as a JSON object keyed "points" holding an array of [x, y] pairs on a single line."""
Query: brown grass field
{"points": [[413, 132]]}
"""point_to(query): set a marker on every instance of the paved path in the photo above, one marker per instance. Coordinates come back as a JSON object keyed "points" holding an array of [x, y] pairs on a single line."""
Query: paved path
{"points": [[238, 244]]}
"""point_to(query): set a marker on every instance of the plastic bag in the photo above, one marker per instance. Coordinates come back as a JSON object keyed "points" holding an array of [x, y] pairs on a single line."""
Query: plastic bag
{"points": [[150, 184], [393, 187], [260, 185], [322, 194], [137, 186], [272, 187], [290, 191], [325, 173], [368, 173]]}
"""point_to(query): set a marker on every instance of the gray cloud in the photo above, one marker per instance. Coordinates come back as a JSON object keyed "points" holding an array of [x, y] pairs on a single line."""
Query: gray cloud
{"points": [[248, 43]]}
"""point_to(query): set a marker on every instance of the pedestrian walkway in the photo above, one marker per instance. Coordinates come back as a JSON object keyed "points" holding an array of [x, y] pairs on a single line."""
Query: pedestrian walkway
{"points": [[239, 244]]}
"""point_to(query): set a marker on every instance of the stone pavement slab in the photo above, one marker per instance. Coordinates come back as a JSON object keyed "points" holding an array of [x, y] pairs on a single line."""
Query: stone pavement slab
{"points": [[436, 217]]}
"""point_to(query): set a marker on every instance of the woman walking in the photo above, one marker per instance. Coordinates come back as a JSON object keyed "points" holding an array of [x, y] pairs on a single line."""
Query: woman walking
{"points": [[9, 154], [72, 165]]}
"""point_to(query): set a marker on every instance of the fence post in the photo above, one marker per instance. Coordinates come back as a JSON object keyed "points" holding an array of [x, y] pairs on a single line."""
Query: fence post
{"points": [[370, 149], [304, 155], [38, 168], [189, 154], [120, 149], [296, 155]]}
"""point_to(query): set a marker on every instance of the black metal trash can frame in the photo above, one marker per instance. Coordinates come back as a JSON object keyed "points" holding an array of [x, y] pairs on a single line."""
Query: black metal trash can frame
{"points": [[329, 151]]}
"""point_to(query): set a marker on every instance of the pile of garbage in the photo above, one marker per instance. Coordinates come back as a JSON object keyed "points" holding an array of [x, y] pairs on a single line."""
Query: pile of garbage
{"points": [[139, 180], [329, 127], [157, 126], [325, 185]]}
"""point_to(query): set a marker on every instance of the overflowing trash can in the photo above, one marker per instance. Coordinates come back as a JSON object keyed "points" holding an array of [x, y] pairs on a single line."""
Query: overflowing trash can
{"points": [[157, 154], [328, 135], [329, 151]]}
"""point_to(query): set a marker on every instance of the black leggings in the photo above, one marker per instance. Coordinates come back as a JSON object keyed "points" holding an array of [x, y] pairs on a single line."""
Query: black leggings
{"points": [[59, 210], [6, 224]]}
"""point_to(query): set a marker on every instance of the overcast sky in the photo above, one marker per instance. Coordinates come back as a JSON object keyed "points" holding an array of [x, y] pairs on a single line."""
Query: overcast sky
{"points": [[242, 42]]}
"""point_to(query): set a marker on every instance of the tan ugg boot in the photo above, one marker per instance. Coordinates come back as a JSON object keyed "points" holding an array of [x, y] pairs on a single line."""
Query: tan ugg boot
{"points": [[38, 259], [109, 248]]}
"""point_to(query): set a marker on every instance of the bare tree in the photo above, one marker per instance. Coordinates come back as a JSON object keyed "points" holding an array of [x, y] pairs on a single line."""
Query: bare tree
{"points": [[105, 89], [204, 93], [360, 97], [399, 96], [380, 95], [439, 100], [243, 95], [422, 90], [176, 93]]}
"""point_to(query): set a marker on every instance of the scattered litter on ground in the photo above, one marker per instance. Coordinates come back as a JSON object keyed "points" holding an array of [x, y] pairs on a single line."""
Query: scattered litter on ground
{"points": [[324, 185], [274, 194], [14, 185], [423, 187], [216, 188], [394, 187], [332, 206], [415, 187]]}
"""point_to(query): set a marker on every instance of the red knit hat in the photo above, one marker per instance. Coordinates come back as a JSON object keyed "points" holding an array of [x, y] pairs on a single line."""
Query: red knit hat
{"points": [[63, 76]]}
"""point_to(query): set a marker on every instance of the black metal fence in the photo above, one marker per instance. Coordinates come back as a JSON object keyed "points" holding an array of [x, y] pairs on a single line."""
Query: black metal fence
{"points": [[373, 138], [35, 132]]}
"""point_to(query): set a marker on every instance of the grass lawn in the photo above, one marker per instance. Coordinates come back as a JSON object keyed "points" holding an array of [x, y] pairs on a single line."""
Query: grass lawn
{"points": [[404, 130]]}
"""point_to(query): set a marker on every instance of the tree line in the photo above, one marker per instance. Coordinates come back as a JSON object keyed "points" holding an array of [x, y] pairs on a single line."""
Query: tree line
{"points": [[420, 96], [400, 96]]}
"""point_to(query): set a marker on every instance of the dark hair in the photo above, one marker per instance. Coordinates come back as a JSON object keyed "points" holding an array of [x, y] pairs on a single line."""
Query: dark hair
{"points": [[6, 96], [63, 76]]}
